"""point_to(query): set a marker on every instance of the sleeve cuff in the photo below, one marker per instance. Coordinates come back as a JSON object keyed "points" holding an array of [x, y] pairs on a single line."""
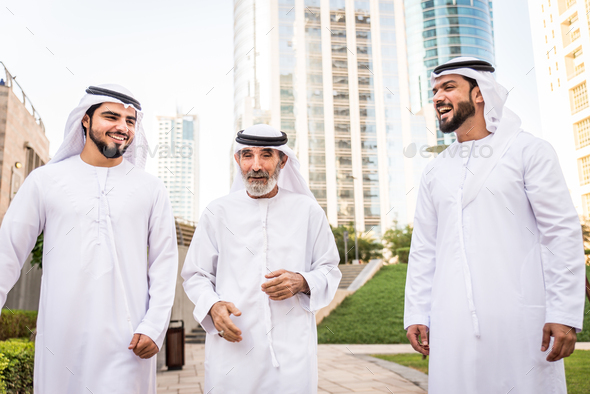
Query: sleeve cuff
{"points": [[152, 333], [306, 300], [416, 319], [201, 313], [569, 321]]}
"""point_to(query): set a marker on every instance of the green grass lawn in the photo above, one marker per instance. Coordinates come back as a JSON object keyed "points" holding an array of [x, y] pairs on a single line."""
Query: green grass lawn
{"points": [[576, 368], [374, 313]]}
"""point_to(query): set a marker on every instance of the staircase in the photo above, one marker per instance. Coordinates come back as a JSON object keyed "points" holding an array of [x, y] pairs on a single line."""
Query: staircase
{"points": [[197, 335], [349, 274]]}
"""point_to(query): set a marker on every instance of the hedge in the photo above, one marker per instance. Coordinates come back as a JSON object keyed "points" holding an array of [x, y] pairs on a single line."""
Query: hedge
{"points": [[17, 359], [17, 324]]}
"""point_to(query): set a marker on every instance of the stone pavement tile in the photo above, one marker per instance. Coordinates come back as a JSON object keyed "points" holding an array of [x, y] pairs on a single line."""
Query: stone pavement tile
{"points": [[190, 379], [340, 371]]}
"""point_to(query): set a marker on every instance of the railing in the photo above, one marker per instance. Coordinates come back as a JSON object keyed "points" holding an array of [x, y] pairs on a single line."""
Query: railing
{"points": [[6, 79]]}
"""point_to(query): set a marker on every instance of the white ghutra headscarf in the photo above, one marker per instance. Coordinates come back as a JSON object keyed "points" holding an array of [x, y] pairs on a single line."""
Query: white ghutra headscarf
{"points": [[290, 177], [73, 142]]}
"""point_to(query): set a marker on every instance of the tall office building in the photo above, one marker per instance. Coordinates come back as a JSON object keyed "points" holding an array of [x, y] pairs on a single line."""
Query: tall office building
{"points": [[178, 165], [560, 33], [333, 75], [438, 31]]}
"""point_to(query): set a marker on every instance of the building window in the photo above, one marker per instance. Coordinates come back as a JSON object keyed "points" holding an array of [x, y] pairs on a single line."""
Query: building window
{"points": [[32, 161], [580, 97], [575, 35], [582, 133], [556, 66], [549, 70], [584, 170]]}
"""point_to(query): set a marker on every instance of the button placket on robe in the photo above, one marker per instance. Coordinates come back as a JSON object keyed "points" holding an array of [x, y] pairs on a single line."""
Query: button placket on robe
{"points": [[263, 206], [106, 230], [465, 265]]}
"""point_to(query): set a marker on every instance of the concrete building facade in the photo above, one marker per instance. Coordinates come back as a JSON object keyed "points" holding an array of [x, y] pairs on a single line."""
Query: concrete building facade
{"points": [[560, 33], [23, 144]]}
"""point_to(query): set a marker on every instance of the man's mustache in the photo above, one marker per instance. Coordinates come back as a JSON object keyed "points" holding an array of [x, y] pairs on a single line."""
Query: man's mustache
{"points": [[257, 174]]}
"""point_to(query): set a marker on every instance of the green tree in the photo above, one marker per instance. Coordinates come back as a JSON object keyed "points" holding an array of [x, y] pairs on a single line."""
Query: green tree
{"points": [[397, 240], [37, 252], [369, 248]]}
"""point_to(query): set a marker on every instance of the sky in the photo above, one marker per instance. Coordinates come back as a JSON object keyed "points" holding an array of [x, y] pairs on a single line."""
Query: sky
{"points": [[177, 55]]}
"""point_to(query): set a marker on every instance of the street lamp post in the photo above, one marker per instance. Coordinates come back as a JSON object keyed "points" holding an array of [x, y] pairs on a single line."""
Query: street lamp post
{"points": [[356, 244], [345, 236]]}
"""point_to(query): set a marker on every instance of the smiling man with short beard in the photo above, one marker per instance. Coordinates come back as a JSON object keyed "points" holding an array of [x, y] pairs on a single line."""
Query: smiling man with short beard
{"points": [[105, 301], [266, 255], [495, 282]]}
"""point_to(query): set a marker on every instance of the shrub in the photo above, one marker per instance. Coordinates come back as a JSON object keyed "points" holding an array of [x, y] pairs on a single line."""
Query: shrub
{"points": [[17, 324], [3, 364], [18, 358], [403, 255]]}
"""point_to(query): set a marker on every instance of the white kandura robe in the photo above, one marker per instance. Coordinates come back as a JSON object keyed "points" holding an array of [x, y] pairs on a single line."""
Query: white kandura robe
{"points": [[520, 242], [83, 330], [239, 240]]}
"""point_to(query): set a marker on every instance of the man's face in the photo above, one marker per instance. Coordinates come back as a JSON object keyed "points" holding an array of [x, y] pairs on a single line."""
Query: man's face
{"points": [[260, 166], [452, 101], [112, 128]]}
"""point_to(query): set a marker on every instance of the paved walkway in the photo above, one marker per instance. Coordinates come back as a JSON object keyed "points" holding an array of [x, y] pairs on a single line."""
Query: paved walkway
{"points": [[342, 369]]}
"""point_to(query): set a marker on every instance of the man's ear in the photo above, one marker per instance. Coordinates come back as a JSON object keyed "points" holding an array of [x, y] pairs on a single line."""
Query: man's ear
{"points": [[86, 121], [284, 162], [237, 158], [478, 99]]}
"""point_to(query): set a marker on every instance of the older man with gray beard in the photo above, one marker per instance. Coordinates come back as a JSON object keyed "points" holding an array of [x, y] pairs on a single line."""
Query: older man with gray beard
{"points": [[266, 255]]}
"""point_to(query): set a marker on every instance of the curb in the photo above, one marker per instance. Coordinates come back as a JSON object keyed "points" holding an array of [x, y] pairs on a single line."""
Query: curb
{"points": [[416, 377]]}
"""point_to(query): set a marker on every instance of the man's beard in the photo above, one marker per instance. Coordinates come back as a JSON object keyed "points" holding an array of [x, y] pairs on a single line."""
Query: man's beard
{"points": [[464, 110], [112, 151], [259, 188]]}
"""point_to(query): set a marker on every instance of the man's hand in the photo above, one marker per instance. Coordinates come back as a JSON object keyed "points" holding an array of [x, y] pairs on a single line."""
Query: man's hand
{"points": [[143, 346], [220, 312], [419, 333], [285, 285], [564, 343]]}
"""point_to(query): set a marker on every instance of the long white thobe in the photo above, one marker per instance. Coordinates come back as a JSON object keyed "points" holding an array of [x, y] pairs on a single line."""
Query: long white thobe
{"points": [[237, 242], [487, 277], [99, 283]]}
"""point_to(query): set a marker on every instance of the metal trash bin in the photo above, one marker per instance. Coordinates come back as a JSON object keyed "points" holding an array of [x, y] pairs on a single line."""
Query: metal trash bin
{"points": [[175, 346]]}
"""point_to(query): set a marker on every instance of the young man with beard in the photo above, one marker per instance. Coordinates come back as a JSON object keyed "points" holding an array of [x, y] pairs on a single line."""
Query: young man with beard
{"points": [[495, 285], [266, 255], [105, 300]]}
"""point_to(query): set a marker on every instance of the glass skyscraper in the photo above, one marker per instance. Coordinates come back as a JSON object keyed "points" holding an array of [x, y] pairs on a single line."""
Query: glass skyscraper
{"points": [[438, 31], [333, 75], [178, 166]]}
